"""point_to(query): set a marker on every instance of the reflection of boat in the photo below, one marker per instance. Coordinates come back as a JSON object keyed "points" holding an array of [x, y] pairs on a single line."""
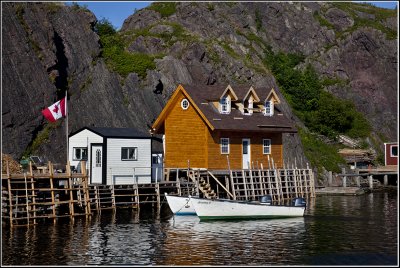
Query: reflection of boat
{"points": [[220, 209], [180, 205]]}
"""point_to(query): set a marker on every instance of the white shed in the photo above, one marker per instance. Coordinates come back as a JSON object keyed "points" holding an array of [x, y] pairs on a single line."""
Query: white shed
{"points": [[114, 155]]}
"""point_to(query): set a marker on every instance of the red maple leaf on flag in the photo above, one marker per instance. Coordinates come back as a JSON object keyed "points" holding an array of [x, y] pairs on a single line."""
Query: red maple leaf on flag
{"points": [[56, 108]]}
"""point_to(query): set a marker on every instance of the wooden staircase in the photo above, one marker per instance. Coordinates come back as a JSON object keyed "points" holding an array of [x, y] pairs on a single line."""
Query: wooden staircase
{"points": [[198, 177], [206, 189]]}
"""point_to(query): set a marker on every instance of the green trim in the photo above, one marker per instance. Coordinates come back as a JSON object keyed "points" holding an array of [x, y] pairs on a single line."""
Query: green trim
{"points": [[254, 217]]}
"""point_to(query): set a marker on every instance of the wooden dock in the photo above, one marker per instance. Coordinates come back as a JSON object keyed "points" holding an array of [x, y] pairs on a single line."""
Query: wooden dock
{"points": [[370, 177], [46, 194]]}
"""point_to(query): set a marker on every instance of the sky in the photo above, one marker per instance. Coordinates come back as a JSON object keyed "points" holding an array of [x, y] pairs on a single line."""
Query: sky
{"points": [[117, 11], [114, 11]]}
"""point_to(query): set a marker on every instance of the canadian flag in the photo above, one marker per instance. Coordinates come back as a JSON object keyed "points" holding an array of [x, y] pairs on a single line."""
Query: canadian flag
{"points": [[55, 111]]}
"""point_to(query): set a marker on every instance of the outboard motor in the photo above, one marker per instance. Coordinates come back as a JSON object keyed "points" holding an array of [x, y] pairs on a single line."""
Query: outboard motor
{"points": [[299, 202], [266, 199]]}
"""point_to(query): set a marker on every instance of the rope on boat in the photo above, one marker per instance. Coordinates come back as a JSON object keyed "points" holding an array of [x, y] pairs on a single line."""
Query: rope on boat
{"points": [[173, 215], [183, 205]]}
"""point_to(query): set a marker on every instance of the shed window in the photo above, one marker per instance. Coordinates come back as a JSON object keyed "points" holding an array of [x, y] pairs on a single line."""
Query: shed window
{"points": [[80, 153], [129, 153], [225, 105], [224, 145], [393, 151], [266, 146], [269, 108]]}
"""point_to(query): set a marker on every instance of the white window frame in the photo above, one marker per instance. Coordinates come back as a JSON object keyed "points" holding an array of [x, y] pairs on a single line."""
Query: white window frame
{"points": [[391, 150], [270, 111], [129, 149], [81, 153], [185, 104], [267, 148], [249, 107], [224, 145], [225, 105]]}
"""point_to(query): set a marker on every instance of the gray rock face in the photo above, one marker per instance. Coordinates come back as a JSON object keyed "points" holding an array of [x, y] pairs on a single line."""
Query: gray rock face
{"points": [[368, 61], [340, 19], [44, 54], [49, 48]]}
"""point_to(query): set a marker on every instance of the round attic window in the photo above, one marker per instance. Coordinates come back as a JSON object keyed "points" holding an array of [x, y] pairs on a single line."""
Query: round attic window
{"points": [[185, 104]]}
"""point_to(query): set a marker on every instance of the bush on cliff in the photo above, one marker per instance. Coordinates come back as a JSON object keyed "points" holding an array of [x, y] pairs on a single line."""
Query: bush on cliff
{"points": [[319, 110], [115, 55]]}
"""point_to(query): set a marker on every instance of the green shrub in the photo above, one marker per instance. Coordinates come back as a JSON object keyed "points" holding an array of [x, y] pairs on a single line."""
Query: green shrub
{"points": [[166, 9], [229, 50], [322, 21], [334, 81], [115, 55], [380, 14], [321, 111], [380, 159], [53, 7], [319, 153], [104, 27], [125, 63], [41, 137], [76, 7], [178, 33]]}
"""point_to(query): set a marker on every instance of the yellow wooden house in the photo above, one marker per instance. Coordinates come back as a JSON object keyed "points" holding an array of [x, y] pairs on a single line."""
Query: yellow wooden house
{"points": [[222, 127]]}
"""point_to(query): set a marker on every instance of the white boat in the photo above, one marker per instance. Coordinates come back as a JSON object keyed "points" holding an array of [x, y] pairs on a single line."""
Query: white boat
{"points": [[180, 205], [224, 209]]}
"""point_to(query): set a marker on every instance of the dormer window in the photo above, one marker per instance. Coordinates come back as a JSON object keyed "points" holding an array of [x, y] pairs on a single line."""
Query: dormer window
{"points": [[225, 105], [248, 106], [269, 108], [249, 100]]}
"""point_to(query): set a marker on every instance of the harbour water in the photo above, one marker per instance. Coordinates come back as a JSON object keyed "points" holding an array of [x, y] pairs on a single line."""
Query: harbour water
{"points": [[336, 230]]}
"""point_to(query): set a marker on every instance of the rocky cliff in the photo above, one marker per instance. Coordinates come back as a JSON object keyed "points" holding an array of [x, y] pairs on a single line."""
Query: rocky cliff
{"points": [[49, 48]]}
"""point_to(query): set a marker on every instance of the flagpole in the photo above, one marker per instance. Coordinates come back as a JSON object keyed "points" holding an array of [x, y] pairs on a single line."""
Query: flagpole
{"points": [[66, 115]]}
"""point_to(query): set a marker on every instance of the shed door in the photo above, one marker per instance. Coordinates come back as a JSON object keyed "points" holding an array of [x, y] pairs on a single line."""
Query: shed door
{"points": [[246, 153], [96, 165]]}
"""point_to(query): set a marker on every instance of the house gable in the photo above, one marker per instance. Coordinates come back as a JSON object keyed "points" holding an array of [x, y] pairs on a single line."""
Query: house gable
{"points": [[226, 100], [249, 103], [269, 103], [158, 125], [273, 96], [185, 135], [229, 92]]}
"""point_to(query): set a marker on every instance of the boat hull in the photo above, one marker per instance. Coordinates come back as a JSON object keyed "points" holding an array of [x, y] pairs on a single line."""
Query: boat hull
{"points": [[180, 205], [217, 209]]}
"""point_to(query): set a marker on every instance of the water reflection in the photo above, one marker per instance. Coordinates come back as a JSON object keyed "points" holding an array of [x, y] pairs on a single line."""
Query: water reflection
{"points": [[337, 230], [259, 242]]}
